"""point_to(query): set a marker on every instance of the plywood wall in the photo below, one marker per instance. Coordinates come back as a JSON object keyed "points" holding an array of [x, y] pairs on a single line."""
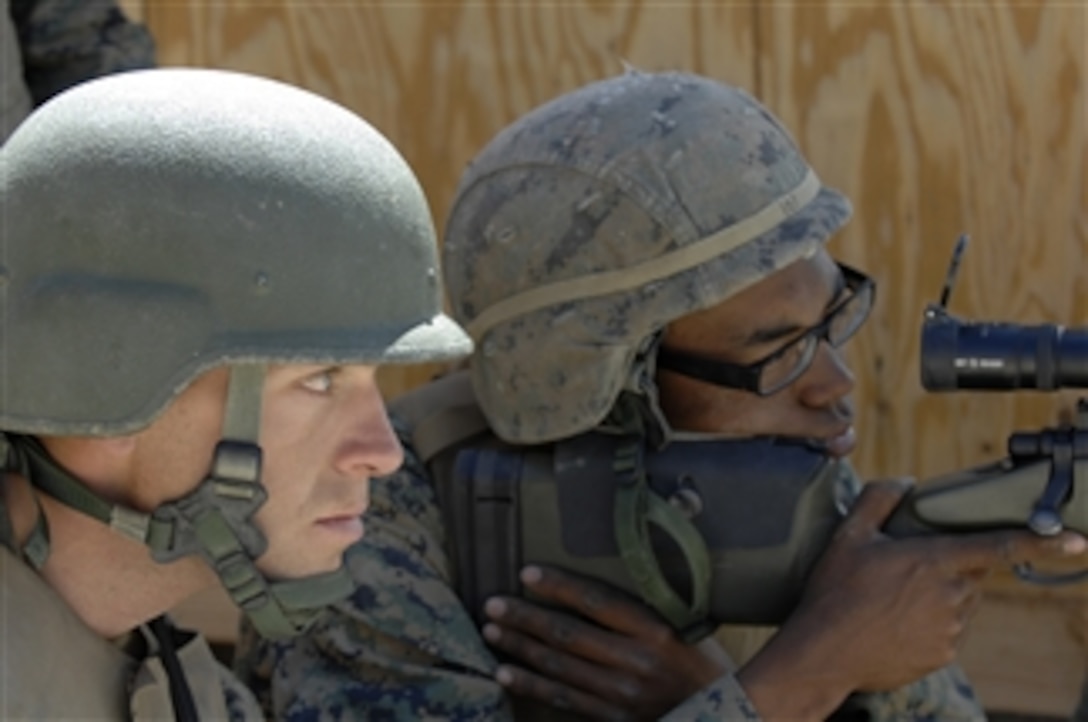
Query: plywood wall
{"points": [[936, 118]]}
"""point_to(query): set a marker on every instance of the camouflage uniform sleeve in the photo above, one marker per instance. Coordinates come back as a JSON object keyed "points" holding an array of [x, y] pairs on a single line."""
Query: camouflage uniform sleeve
{"points": [[240, 701], [944, 696], [722, 699], [64, 42], [403, 646]]}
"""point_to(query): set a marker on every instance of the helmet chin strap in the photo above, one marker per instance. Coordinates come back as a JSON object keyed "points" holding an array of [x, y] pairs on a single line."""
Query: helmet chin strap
{"points": [[215, 520]]}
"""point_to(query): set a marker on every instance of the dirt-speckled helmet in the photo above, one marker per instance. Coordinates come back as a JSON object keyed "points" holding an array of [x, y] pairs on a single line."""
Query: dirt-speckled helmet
{"points": [[158, 223], [593, 221]]}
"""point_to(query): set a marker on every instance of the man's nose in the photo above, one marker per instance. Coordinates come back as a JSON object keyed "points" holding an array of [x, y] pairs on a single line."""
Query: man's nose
{"points": [[828, 380], [370, 448]]}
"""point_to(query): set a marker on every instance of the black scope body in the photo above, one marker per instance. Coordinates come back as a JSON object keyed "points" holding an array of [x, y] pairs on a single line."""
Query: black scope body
{"points": [[1001, 356]]}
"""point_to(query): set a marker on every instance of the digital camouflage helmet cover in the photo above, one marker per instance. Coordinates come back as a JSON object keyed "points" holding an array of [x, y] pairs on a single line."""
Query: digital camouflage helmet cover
{"points": [[593, 221], [160, 223]]}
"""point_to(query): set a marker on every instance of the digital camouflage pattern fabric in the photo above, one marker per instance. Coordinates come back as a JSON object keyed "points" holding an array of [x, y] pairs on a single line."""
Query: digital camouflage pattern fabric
{"points": [[50, 45]]}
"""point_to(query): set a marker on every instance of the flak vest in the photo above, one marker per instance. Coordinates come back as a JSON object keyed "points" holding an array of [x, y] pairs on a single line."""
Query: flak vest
{"points": [[52, 666]]}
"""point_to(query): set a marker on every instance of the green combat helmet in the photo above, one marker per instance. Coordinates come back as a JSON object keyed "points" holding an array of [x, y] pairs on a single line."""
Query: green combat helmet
{"points": [[589, 224], [160, 223]]}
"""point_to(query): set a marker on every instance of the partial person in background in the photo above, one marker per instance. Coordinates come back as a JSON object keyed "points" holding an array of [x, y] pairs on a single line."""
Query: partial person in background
{"points": [[47, 46]]}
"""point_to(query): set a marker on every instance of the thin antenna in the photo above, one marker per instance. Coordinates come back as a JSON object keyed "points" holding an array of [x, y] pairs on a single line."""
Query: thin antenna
{"points": [[953, 268]]}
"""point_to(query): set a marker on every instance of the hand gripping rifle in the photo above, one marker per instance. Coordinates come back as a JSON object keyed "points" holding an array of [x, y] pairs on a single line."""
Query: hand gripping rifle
{"points": [[727, 531]]}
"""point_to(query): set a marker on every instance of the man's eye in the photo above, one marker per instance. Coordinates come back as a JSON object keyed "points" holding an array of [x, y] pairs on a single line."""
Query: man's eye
{"points": [[320, 383]]}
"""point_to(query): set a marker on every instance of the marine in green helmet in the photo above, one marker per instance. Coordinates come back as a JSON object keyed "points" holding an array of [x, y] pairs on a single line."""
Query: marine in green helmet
{"points": [[647, 246], [200, 272]]}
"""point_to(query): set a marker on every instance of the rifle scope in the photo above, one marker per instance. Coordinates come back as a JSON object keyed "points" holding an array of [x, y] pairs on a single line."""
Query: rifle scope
{"points": [[1001, 356], [997, 356]]}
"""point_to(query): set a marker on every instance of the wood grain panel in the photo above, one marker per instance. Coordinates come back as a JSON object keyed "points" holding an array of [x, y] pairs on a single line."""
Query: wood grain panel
{"points": [[1011, 653], [440, 78], [939, 118], [133, 9]]}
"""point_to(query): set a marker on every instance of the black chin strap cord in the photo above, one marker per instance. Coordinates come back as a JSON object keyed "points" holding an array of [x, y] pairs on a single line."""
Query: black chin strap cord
{"points": [[181, 697]]}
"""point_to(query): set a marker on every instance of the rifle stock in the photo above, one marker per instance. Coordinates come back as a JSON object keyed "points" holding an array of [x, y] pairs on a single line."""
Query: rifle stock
{"points": [[765, 508]]}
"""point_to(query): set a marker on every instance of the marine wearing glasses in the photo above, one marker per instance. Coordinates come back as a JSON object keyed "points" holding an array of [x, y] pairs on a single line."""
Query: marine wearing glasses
{"points": [[781, 368]]}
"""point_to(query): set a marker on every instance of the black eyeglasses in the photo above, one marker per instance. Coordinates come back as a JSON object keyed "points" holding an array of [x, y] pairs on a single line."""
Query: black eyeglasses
{"points": [[781, 368]]}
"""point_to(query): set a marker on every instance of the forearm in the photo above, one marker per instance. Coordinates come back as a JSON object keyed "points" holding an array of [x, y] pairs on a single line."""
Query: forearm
{"points": [[795, 677]]}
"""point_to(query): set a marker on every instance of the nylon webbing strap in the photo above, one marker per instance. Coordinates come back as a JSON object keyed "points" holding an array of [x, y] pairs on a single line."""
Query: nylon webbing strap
{"points": [[227, 535], [45, 474], [8, 463], [305, 594], [242, 416], [36, 548], [14, 459], [239, 575], [636, 507]]}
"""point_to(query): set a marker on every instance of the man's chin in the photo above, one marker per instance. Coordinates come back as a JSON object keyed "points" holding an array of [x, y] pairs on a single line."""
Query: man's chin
{"points": [[842, 444]]}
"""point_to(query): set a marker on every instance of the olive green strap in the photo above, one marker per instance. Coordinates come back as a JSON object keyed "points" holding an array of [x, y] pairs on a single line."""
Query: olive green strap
{"points": [[636, 507], [216, 520], [278, 610], [36, 548], [15, 458], [47, 475]]}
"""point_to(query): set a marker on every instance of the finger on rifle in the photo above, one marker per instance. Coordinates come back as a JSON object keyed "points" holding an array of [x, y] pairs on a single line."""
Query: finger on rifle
{"points": [[604, 604], [992, 550], [875, 503], [525, 683], [562, 668], [561, 631]]}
